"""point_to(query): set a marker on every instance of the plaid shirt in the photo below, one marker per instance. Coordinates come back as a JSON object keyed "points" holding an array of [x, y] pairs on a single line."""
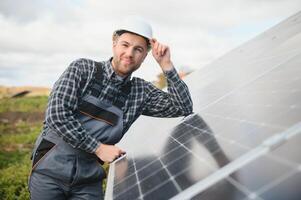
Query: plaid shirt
{"points": [[144, 99]]}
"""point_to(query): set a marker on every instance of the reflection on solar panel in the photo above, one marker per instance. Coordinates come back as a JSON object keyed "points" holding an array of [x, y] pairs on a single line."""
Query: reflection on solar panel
{"points": [[243, 141]]}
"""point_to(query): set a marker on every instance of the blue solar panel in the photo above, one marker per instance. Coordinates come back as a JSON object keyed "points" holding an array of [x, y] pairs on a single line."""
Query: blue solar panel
{"points": [[249, 96]]}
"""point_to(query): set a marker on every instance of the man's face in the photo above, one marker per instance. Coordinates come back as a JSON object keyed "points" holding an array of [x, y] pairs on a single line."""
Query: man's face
{"points": [[129, 51]]}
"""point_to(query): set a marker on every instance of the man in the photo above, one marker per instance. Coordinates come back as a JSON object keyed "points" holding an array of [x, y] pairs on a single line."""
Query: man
{"points": [[92, 105]]}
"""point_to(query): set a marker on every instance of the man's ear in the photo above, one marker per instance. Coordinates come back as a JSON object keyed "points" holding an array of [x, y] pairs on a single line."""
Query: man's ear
{"points": [[114, 39], [145, 56]]}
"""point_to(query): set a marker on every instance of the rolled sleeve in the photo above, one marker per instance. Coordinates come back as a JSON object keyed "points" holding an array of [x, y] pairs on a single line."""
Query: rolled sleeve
{"points": [[176, 102]]}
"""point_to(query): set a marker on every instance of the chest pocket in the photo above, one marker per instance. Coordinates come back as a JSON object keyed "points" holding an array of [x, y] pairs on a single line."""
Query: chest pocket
{"points": [[103, 120]]}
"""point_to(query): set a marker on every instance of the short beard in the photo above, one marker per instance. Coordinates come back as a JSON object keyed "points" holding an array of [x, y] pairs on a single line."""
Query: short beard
{"points": [[116, 63]]}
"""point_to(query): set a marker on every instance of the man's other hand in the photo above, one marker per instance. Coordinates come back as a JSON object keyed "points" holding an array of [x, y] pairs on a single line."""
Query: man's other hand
{"points": [[108, 153]]}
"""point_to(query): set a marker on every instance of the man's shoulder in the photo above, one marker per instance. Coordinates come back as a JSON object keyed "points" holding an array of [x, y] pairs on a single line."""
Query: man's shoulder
{"points": [[83, 62], [85, 65], [142, 83], [137, 80]]}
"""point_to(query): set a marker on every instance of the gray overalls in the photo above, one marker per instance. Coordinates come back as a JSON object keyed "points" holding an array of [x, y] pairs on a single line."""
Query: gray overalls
{"points": [[62, 172]]}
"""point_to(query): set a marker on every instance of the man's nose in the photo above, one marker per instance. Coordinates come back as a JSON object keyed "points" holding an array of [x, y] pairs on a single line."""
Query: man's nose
{"points": [[130, 52]]}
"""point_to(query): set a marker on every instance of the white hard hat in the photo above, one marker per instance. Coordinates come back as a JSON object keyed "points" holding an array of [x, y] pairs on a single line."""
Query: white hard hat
{"points": [[136, 25]]}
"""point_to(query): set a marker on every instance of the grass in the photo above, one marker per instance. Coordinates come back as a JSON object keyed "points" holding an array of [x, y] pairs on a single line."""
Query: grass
{"points": [[19, 133], [26, 104], [14, 177], [15, 151], [14, 128], [14, 147], [17, 138]]}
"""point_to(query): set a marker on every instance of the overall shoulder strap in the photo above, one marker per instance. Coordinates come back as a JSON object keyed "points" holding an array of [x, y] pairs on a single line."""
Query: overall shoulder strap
{"points": [[124, 93], [97, 80], [97, 86]]}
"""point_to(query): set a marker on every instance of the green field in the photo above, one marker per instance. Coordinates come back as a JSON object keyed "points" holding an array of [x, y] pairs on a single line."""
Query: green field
{"points": [[20, 123]]}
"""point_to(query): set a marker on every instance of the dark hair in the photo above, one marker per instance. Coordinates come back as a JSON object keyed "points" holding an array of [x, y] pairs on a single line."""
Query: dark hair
{"points": [[120, 32]]}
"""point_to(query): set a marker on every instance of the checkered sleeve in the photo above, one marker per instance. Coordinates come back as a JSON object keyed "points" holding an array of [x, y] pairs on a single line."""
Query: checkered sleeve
{"points": [[176, 102], [62, 108]]}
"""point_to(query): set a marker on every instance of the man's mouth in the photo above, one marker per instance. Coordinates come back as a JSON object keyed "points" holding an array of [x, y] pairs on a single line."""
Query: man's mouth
{"points": [[127, 61]]}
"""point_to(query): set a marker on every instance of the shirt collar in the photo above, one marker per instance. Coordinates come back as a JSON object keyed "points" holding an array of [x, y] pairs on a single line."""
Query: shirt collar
{"points": [[111, 73]]}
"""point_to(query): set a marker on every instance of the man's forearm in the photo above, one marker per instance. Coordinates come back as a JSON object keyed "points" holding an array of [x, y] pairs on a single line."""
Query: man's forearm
{"points": [[179, 91]]}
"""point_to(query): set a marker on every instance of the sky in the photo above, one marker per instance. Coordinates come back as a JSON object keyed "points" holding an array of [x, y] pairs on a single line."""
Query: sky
{"points": [[40, 38]]}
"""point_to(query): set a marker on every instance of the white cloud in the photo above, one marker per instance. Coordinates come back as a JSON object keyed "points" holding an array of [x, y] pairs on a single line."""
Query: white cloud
{"points": [[44, 36]]}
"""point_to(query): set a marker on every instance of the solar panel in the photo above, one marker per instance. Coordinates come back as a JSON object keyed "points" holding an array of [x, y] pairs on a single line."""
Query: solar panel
{"points": [[242, 142]]}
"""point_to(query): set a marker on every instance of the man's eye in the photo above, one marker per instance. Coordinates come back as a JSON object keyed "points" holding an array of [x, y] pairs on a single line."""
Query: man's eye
{"points": [[124, 45], [139, 50]]}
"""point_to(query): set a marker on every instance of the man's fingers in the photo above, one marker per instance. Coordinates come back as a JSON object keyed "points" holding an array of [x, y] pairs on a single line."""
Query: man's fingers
{"points": [[121, 151], [162, 50], [153, 41], [158, 48], [154, 44], [108, 153]]}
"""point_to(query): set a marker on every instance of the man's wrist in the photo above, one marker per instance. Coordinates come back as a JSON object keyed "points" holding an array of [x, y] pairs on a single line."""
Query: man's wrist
{"points": [[97, 149], [167, 66]]}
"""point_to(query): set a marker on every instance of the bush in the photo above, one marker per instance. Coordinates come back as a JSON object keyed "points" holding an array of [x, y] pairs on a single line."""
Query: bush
{"points": [[16, 142], [15, 152], [13, 180]]}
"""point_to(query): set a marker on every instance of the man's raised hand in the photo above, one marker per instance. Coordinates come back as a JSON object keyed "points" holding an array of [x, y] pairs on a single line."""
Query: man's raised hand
{"points": [[161, 53]]}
